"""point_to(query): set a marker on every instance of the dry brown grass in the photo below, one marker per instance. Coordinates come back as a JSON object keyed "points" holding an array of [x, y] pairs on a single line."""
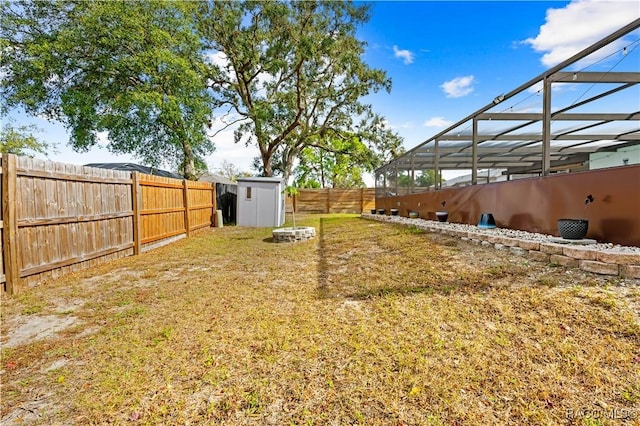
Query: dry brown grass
{"points": [[367, 324]]}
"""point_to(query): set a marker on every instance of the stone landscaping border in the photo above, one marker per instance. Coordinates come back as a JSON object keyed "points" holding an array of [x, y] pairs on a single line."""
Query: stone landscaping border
{"points": [[604, 259]]}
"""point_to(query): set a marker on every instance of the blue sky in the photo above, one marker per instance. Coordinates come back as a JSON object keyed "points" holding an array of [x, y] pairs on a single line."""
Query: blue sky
{"points": [[446, 59]]}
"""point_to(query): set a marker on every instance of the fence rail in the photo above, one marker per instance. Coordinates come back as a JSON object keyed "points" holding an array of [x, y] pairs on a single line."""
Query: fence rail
{"points": [[58, 218]]}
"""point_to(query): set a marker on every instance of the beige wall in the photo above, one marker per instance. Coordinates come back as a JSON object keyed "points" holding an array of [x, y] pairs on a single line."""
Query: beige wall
{"points": [[536, 204]]}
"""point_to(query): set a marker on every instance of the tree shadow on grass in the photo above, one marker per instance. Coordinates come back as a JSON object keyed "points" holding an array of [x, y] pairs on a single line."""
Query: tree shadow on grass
{"points": [[323, 272]]}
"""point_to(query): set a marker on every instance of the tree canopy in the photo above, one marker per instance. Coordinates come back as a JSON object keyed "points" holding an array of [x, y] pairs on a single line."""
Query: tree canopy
{"points": [[151, 75], [21, 140], [134, 70], [340, 162], [292, 75], [425, 179], [230, 171]]}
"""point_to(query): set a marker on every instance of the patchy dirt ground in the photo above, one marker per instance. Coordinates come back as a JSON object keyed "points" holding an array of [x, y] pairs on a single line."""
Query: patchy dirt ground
{"points": [[369, 323]]}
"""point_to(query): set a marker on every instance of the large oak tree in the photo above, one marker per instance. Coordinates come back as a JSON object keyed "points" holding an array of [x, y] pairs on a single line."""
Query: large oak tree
{"points": [[292, 75], [133, 70]]}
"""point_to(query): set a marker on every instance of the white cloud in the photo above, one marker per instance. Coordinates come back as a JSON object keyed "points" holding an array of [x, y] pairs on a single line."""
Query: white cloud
{"points": [[405, 55], [555, 88], [218, 58], [581, 23], [237, 153], [458, 87], [384, 124], [439, 122]]}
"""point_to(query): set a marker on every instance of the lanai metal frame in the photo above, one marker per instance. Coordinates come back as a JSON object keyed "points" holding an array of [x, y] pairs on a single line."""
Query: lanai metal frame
{"points": [[530, 142]]}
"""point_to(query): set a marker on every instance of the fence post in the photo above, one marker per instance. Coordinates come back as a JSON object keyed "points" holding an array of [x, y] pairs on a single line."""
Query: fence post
{"points": [[185, 202], [328, 200], [135, 198], [214, 202], [10, 223], [361, 200]]}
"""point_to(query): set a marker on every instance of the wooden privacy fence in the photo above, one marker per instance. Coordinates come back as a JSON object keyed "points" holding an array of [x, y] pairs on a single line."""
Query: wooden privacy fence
{"points": [[58, 218], [330, 200]]}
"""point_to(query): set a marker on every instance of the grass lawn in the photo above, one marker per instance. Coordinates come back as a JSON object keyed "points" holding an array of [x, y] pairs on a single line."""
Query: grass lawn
{"points": [[369, 323]]}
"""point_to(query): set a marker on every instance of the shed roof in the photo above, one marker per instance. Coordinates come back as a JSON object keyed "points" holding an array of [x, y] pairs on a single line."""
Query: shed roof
{"points": [[261, 179], [216, 178]]}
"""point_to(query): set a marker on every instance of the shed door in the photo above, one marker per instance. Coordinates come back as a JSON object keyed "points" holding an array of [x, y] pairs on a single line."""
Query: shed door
{"points": [[266, 202]]}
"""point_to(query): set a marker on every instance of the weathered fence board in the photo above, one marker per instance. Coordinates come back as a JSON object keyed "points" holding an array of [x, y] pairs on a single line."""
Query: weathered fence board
{"points": [[58, 218], [163, 210], [330, 200], [202, 204], [311, 201], [9, 222], [66, 216]]}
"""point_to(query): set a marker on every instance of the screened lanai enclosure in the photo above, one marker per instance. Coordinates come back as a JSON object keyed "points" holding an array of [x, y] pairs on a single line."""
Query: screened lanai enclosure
{"points": [[579, 116]]}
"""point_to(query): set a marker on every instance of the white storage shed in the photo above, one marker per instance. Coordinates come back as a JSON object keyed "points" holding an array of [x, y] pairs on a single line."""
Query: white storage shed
{"points": [[260, 202]]}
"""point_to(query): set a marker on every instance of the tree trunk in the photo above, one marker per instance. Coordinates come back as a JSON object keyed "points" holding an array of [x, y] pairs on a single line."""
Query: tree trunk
{"points": [[266, 164], [189, 166], [287, 163], [288, 166], [321, 169]]}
